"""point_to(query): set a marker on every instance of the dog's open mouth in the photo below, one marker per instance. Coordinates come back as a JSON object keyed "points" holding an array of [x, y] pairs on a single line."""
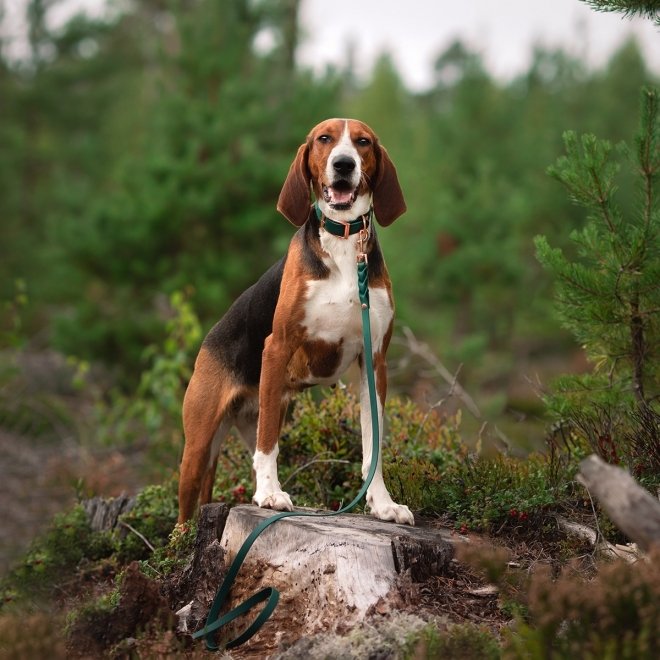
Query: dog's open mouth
{"points": [[340, 195]]}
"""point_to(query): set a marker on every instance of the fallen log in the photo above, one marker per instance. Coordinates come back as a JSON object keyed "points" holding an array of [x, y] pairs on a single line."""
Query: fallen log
{"points": [[631, 508]]}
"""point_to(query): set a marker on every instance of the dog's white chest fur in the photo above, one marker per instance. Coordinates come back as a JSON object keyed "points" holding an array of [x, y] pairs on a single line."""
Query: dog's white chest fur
{"points": [[333, 312]]}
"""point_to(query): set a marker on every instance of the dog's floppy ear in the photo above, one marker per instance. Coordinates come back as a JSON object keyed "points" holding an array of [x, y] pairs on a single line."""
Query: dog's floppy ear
{"points": [[388, 196], [294, 200]]}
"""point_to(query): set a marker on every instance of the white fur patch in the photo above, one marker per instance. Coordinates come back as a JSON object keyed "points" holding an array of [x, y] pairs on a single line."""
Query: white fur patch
{"points": [[346, 148], [269, 493], [333, 312]]}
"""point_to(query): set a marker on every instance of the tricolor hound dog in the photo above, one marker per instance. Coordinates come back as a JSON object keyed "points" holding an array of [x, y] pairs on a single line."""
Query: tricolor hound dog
{"points": [[300, 324]]}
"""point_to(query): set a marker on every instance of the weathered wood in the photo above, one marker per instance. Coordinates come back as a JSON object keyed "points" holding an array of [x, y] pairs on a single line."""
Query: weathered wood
{"points": [[632, 509], [191, 590], [335, 568], [103, 514]]}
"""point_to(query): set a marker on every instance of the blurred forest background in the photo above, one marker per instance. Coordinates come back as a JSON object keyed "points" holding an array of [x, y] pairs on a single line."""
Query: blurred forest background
{"points": [[142, 155]]}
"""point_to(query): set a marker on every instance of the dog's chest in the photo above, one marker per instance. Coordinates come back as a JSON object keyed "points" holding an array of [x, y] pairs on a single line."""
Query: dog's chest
{"points": [[333, 312], [332, 309]]}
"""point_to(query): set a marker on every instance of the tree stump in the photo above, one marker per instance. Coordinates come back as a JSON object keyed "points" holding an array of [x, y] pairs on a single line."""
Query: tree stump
{"points": [[333, 569], [103, 514]]}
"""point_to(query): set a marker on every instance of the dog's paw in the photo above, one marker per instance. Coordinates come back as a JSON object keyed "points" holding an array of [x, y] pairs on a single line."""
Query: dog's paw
{"points": [[398, 513], [279, 501]]}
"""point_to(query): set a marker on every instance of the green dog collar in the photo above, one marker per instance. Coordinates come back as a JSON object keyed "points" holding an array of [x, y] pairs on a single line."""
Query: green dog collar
{"points": [[343, 229]]}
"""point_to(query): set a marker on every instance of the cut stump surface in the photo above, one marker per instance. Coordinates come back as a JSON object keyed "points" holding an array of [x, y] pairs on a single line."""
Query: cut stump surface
{"points": [[333, 568]]}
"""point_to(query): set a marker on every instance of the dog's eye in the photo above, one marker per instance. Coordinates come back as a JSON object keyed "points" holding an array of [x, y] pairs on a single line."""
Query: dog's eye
{"points": [[363, 142], [324, 139]]}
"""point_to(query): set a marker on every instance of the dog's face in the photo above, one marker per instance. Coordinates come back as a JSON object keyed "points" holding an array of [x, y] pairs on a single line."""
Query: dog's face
{"points": [[342, 163], [346, 167]]}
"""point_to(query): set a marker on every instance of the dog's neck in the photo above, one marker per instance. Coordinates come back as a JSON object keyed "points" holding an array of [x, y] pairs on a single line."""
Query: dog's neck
{"points": [[360, 206]]}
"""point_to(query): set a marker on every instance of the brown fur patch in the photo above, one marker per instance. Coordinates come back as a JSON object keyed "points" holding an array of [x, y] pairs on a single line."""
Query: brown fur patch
{"points": [[208, 398]]}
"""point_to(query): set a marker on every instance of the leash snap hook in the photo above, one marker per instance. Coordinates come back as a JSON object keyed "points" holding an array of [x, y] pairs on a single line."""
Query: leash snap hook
{"points": [[363, 237]]}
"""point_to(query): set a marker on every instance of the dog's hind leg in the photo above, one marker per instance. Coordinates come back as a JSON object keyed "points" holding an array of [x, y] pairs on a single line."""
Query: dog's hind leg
{"points": [[206, 490], [206, 407]]}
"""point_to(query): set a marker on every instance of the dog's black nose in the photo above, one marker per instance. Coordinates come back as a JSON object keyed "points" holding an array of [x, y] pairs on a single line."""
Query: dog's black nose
{"points": [[343, 165]]}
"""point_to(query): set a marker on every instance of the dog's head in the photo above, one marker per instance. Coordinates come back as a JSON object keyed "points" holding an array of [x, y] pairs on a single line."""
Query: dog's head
{"points": [[346, 168]]}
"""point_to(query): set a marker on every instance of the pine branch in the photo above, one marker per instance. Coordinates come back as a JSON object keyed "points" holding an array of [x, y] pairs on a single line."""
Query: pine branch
{"points": [[629, 8]]}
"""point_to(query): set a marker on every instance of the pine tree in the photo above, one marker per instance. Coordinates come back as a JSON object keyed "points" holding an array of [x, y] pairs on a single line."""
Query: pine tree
{"points": [[609, 297]]}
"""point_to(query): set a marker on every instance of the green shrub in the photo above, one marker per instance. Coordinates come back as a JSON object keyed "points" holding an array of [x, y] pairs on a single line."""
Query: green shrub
{"points": [[175, 554], [425, 463], [151, 521], [321, 449], [53, 557], [483, 493], [152, 414]]}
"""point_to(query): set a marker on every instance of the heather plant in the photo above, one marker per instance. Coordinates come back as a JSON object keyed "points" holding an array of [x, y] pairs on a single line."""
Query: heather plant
{"points": [[616, 614], [487, 493], [610, 611], [147, 526], [322, 448]]}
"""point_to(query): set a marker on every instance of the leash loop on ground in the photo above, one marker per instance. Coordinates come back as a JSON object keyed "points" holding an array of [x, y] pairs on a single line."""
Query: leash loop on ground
{"points": [[269, 594]]}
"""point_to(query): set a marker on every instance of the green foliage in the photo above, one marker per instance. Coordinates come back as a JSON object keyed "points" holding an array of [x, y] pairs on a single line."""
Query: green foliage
{"points": [[56, 555], [215, 155], [464, 641], [426, 465], [175, 554], [152, 414], [54, 558], [11, 321], [161, 171], [629, 8], [149, 523], [322, 450], [486, 493], [609, 296]]}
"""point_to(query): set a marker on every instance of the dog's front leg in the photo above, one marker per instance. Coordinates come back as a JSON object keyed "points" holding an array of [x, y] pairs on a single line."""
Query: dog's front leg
{"points": [[269, 493], [379, 500]]}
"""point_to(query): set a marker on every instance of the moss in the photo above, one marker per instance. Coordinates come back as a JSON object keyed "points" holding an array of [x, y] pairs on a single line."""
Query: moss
{"points": [[459, 642]]}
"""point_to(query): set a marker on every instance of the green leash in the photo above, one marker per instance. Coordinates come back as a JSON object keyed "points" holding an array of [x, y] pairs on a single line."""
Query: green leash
{"points": [[269, 594]]}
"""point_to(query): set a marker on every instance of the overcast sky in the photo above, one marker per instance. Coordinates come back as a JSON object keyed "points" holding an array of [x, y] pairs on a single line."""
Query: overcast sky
{"points": [[502, 31], [414, 32]]}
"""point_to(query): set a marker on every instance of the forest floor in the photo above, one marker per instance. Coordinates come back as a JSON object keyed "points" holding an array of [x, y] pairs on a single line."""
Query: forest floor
{"points": [[458, 596], [42, 476]]}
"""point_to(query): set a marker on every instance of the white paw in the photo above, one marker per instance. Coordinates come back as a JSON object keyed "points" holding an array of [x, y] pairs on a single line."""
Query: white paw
{"points": [[389, 510], [279, 500]]}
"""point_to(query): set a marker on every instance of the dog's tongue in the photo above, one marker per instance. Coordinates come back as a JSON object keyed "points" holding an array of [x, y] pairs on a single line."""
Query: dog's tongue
{"points": [[341, 196]]}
